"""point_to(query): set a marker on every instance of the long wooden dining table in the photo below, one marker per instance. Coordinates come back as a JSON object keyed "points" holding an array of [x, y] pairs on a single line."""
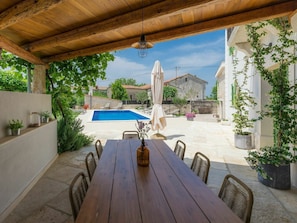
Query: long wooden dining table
{"points": [[166, 191]]}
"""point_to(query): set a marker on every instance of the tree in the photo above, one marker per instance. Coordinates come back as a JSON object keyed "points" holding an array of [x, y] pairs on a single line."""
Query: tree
{"points": [[129, 81], [118, 91], [13, 76], [14, 63], [169, 92], [74, 77], [179, 102], [68, 79], [12, 81], [142, 97], [214, 93]]}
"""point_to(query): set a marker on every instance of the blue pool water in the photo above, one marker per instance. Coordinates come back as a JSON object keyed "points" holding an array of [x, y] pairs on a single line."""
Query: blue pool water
{"points": [[110, 115]]}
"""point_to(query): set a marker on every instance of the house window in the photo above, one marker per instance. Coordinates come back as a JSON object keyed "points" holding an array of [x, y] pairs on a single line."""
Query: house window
{"points": [[186, 79]]}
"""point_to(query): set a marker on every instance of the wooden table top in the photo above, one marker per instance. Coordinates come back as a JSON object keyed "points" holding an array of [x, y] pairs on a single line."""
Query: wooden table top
{"points": [[167, 191]]}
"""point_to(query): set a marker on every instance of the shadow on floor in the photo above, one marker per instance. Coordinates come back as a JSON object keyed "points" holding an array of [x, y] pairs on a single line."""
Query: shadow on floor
{"points": [[174, 136]]}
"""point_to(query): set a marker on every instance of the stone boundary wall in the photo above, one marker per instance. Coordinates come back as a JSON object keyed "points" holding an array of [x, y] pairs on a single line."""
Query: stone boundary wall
{"points": [[205, 106], [99, 102]]}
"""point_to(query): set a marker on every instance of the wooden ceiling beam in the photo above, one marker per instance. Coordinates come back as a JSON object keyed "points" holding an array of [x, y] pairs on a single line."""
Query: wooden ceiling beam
{"points": [[108, 47], [19, 51], [279, 10], [163, 8], [25, 9], [269, 12]]}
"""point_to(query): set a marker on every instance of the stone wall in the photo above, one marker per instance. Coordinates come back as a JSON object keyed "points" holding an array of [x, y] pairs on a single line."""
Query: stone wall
{"points": [[205, 106], [99, 102]]}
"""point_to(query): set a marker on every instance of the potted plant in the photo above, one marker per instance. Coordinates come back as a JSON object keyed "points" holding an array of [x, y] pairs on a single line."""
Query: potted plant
{"points": [[44, 116], [85, 106], [15, 126], [273, 161], [242, 101], [190, 116]]}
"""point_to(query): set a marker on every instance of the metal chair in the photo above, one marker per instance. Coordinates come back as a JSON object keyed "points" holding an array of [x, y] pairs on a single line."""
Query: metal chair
{"points": [[200, 165], [90, 164], [99, 148], [180, 149], [237, 196], [77, 192], [130, 134]]}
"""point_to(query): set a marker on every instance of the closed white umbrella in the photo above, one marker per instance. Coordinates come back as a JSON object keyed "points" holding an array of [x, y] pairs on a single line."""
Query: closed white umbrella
{"points": [[157, 80]]}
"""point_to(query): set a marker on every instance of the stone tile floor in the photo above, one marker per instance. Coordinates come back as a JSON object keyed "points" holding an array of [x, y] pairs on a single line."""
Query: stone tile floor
{"points": [[48, 201]]}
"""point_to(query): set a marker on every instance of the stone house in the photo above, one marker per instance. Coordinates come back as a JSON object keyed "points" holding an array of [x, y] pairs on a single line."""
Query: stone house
{"points": [[188, 86]]}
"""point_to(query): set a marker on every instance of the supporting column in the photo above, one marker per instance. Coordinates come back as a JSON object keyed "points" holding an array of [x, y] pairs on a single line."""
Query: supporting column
{"points": [[293, 20], [39, 77], [29, 77]]}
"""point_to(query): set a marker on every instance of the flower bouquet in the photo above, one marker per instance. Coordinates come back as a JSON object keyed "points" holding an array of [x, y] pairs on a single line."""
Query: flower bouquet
{"points": [[143, 128]]}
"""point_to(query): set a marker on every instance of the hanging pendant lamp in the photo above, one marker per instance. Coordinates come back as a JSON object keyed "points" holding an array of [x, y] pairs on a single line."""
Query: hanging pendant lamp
{"points": [[142, 45]]}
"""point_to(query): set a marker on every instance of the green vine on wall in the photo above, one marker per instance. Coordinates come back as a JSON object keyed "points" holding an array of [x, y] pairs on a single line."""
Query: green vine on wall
{"points": [[242, 99], [283, 93]]}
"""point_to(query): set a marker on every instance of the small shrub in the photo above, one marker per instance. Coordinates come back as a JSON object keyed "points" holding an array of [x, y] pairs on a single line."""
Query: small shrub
{"points": [[70, 136]]}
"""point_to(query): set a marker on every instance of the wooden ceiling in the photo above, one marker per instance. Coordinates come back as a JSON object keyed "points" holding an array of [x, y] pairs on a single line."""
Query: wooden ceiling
{"points": [[43, 31]]}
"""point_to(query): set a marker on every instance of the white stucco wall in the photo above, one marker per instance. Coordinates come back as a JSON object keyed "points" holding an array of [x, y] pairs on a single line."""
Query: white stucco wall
{"points": [[24, 158], [19, 105]]}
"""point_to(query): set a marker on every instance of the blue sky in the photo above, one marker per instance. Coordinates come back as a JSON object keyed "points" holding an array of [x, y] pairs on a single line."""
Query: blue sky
{"points": [[200, 55]]}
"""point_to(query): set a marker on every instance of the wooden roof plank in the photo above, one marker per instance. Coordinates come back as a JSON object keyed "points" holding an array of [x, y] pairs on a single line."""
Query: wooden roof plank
{"points": [[57, 30], [278, 10], [132, 17], [25, 9]]}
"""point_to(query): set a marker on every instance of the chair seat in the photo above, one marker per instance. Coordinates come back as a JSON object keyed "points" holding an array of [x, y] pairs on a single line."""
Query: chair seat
{"points": [[90, 164], [200, 165], [237, 196], [77, 192], [180, 149], [130, 134], [99, 148]]}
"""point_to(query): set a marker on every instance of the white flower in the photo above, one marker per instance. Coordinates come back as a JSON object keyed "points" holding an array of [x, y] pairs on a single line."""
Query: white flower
{"points": [[143, 128]]}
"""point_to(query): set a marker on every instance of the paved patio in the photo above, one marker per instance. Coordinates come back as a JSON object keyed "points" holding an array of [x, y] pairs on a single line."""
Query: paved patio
{"points": [[48, 200]]}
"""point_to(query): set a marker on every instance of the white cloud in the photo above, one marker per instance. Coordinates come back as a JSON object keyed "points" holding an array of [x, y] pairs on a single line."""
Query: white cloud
{"points": [[218, 43], [123, 68], [198, 59]]}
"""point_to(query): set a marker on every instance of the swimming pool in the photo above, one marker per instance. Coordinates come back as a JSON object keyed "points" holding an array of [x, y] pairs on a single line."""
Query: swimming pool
{"points": [[112, 115]]}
